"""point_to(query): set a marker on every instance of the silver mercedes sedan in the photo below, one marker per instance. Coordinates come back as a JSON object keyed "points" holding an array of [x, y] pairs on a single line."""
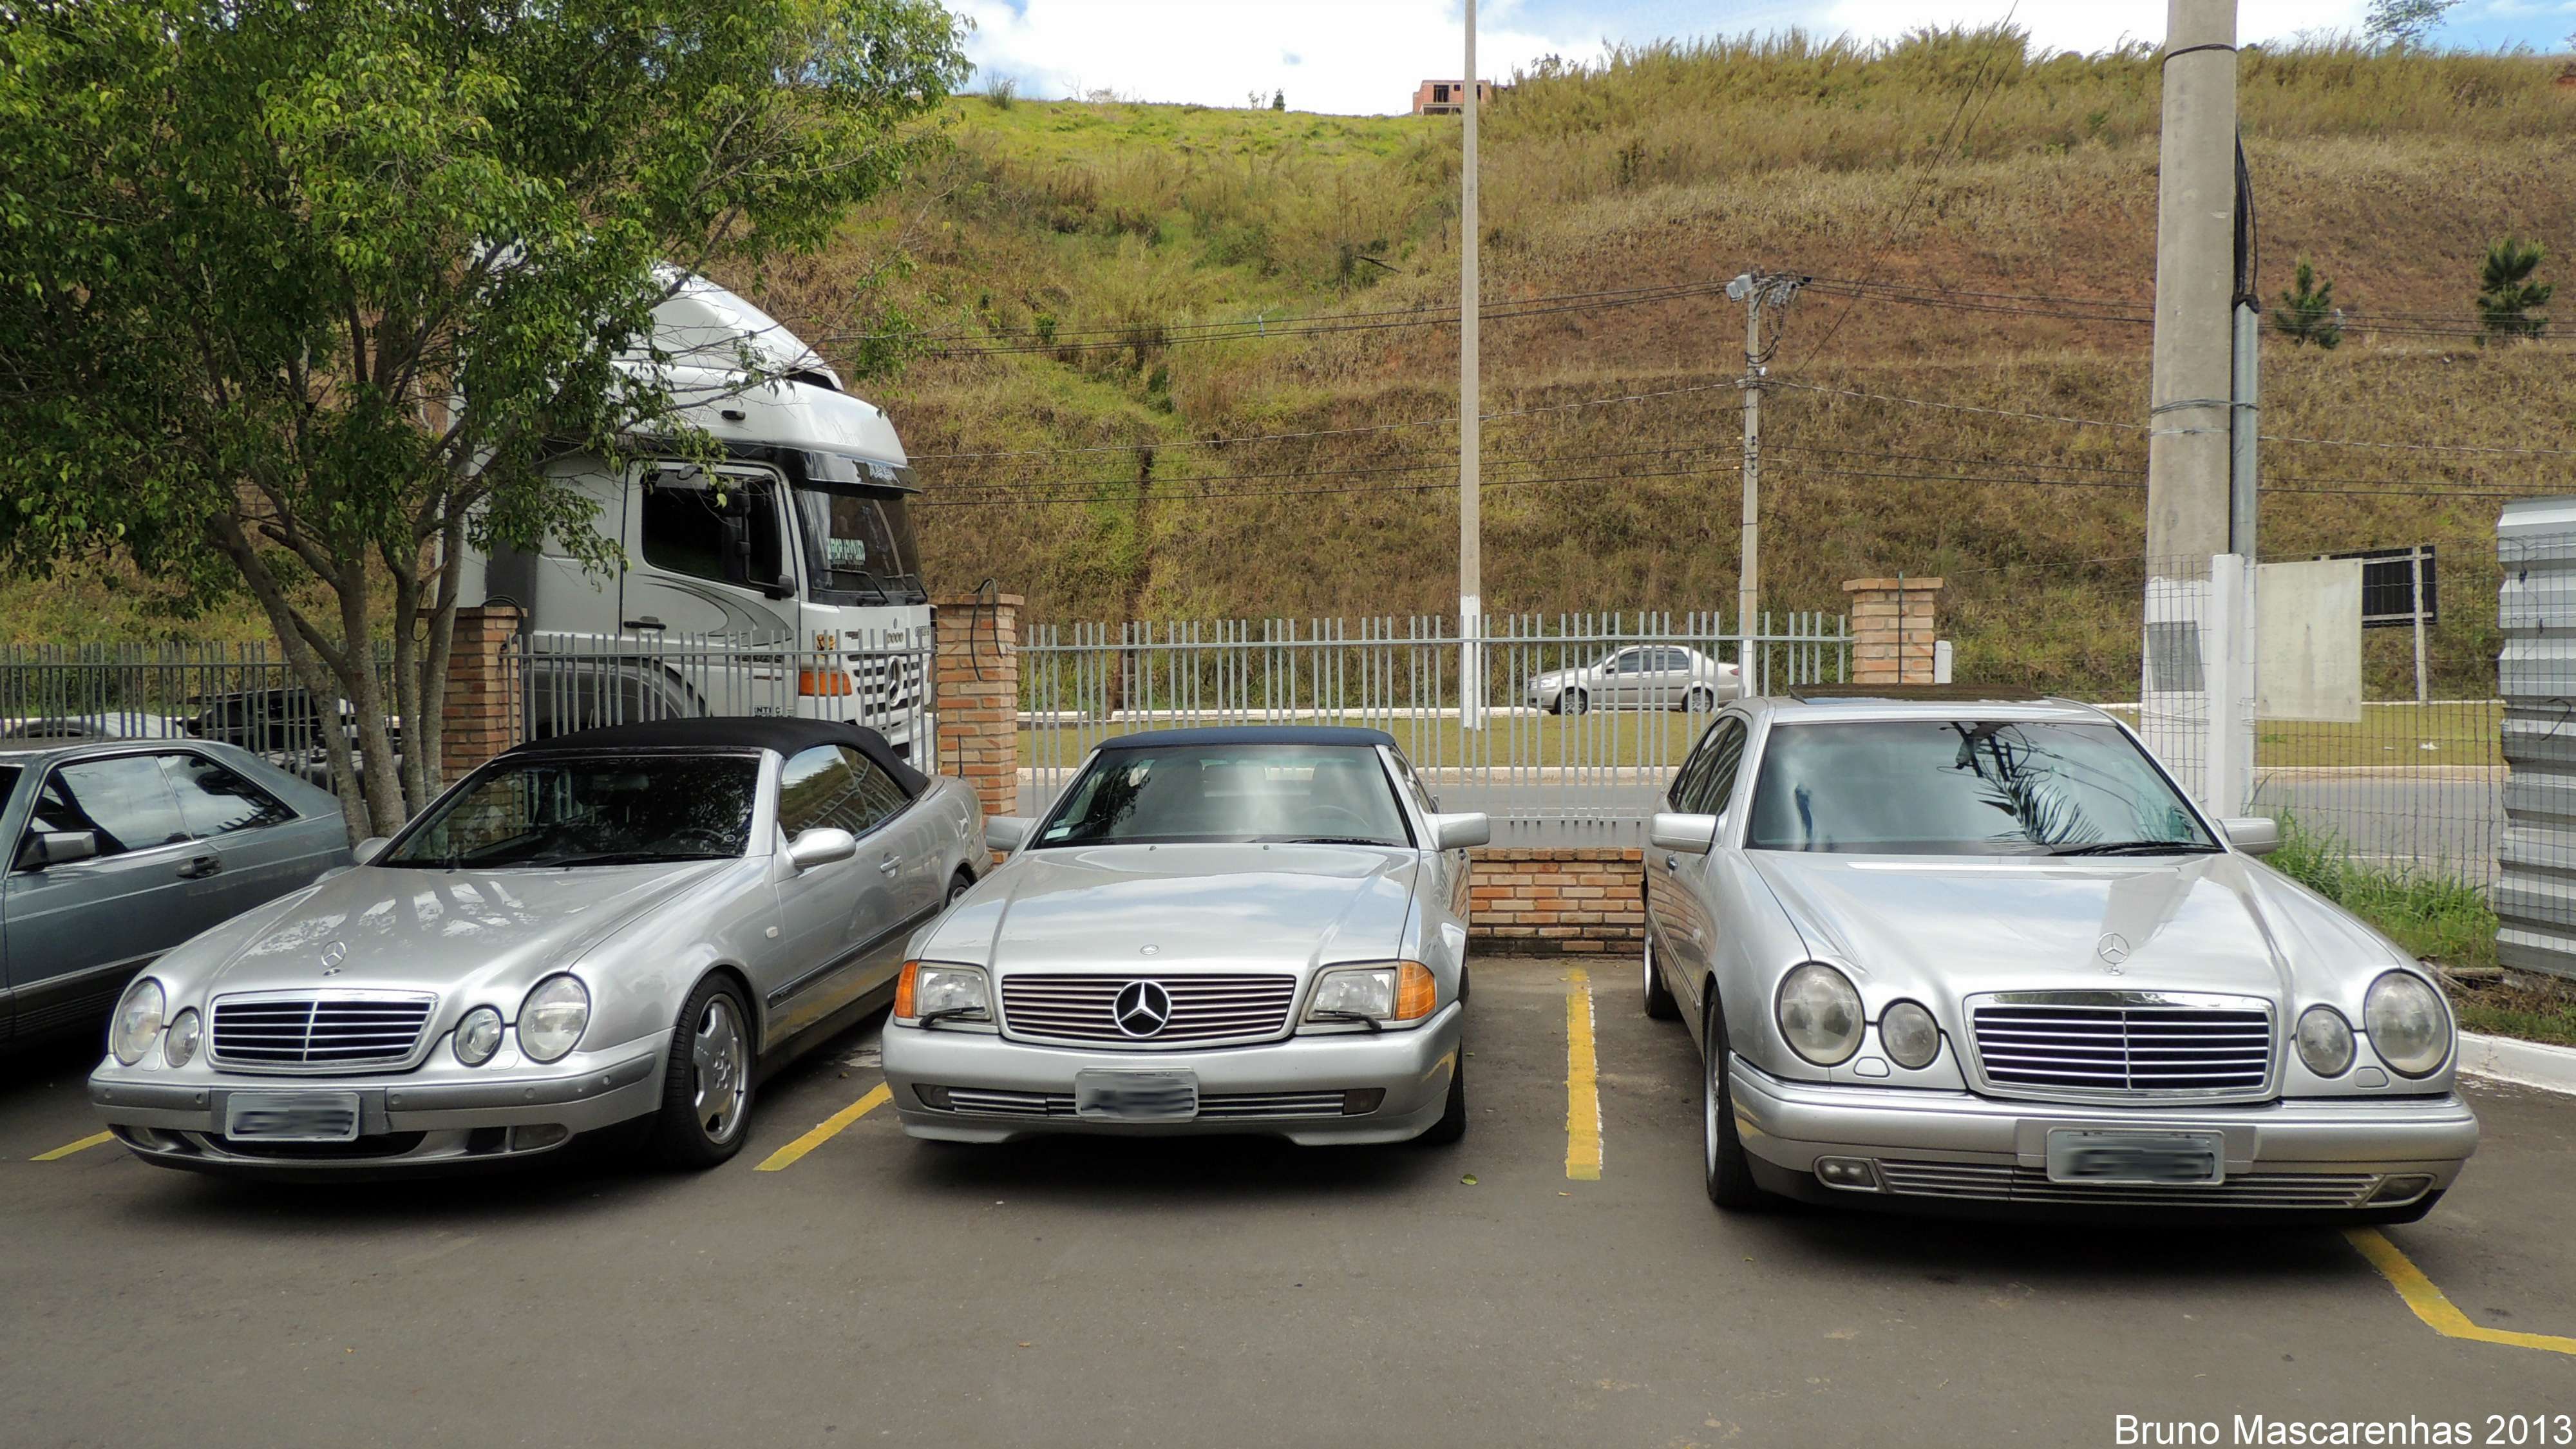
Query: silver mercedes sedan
{"points": [[1257, 929], [618, 929], [1981, 955]]}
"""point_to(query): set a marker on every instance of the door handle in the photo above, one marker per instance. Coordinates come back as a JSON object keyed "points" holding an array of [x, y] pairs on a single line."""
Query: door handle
{"points": [[201, 867], [1672, 862], [890, 864]]}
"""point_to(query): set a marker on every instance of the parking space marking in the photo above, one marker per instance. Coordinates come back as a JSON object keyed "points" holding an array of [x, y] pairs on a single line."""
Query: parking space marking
{"points": [[827, 1129], [69, 1148], [1582, 1083], [2429, 1303]]}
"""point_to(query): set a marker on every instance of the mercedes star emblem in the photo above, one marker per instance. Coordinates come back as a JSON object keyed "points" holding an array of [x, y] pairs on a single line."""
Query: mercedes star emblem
{"points": [[2113, 949], [332, 956], [1142, 1008]]}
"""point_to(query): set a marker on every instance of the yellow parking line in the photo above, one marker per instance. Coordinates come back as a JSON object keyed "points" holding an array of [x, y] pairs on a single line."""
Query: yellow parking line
{"points": [[66, 1151], [2438, 1312], [1582, 1084], [829, 1128]]}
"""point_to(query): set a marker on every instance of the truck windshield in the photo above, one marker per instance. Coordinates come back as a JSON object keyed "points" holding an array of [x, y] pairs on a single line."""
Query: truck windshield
{"points": [[1966, 787], [859, 547]]}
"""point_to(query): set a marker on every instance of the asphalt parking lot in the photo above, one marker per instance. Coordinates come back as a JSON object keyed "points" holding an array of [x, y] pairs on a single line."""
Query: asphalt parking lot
{"points": [[874, 1290]]}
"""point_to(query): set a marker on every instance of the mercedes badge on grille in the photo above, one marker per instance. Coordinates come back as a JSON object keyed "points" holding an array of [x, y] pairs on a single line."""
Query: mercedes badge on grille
{"points": [[1142, 1008]]}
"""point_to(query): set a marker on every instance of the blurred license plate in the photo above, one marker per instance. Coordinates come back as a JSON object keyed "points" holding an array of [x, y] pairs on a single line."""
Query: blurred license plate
{"points": [[292, 1116], [1136, 1096], [2132, 1157]]}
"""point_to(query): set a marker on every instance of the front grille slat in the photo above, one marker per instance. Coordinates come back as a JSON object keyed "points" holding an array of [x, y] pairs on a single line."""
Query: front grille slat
{"points": [[1205, 1009], [1982, 1182], [985, 1102], [2146, 1045], [320, 1032]]}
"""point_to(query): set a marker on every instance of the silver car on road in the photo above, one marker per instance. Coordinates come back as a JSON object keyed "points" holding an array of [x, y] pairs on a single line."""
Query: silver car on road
{"points": [[1258, 929], [1642, 676], [1982, 955], [622, 928]]}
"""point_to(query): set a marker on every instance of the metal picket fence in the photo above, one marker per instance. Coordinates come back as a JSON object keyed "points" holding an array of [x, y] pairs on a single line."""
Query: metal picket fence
{"points": [[238, 693], [1564, 728], [584, 681]]}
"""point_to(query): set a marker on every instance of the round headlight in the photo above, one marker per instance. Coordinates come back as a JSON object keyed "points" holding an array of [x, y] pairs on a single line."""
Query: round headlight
{"points": [[179, 1044], [2408, 1025], [1910, 1035], [138, 1020], [2325, 1041], [551, 1019], [1820, 1014], [479, 1035]]}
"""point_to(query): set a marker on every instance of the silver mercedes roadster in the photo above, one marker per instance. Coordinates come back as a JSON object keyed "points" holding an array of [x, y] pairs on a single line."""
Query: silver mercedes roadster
{"points": [[621, 928], [1982, 956], [1257, 929]]}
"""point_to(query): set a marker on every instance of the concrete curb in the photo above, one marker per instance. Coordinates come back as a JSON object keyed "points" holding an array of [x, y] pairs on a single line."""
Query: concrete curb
{"points": [[2523, 1063]]}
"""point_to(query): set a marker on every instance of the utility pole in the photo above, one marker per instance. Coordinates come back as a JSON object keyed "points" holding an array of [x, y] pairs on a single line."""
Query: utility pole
{"points": [[1471, 440], [1756, 290]]}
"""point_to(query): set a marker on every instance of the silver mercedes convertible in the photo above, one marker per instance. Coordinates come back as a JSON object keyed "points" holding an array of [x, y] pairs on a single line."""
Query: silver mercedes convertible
{"points": [[622, 928], [1258, 929], [1981, 955]]}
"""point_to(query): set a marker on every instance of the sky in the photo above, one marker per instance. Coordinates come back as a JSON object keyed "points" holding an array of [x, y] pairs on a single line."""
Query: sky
{"points": [[1364, 57]]}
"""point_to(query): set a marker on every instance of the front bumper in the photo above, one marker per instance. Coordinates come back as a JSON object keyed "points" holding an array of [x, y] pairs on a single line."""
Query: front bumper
{"points": [[1959, 1151], [420, 1120], [1025, 1089]]}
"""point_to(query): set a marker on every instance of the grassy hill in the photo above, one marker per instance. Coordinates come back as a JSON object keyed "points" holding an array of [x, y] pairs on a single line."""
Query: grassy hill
{"points": [[1070, 429]]}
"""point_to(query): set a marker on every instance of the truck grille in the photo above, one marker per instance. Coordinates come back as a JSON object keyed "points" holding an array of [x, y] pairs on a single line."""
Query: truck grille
{"points": [[317, 1032], [2105, 1043], [1980, 1182], [1205, 1009]]}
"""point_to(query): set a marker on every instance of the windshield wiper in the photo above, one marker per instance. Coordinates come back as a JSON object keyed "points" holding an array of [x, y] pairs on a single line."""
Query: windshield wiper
{"points": [[2140, 847], [1363, 1018], [627, 857]]}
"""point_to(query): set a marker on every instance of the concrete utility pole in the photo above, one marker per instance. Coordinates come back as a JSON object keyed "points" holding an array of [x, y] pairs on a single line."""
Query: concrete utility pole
{"points": [[1756, 290], [2188, 451], [1471, 439]]}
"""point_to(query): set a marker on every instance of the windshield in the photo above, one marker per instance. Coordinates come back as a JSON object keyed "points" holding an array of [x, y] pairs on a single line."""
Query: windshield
{"points": [[859, 547], [590, 810], [1964, 787], [1276, 793]]}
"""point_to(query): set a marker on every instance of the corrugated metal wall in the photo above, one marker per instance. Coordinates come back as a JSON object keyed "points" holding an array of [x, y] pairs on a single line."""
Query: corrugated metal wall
{"points": [[2535, 897]]}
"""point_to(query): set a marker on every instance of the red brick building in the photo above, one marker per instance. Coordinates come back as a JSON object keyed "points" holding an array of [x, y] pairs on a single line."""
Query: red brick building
{"points": [[1448, 98]]}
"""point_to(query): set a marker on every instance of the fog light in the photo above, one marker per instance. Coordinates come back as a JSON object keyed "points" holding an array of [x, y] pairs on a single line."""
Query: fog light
{"points": [[1852, 1174], [1359, 1101], [2394, 1190], [935, 1098], [538, 1136]]}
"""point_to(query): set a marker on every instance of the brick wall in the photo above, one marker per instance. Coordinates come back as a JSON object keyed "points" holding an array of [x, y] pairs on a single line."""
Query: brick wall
{"points": [[1564, 901], [1892, 630], [483, 710], [977, 696]]}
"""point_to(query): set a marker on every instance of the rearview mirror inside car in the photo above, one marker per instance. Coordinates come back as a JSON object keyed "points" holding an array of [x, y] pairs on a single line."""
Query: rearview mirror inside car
{"points": [[1006, 832], [1460, 831], [57, 847], [1689, 834], [821, 846], [2253, 834]]}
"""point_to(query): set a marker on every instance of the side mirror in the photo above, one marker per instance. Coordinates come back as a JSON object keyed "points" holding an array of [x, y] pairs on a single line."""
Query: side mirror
{"points": [[369, 848], [1689, 834], [57, 847], [821, 846], [1007, 832], [2253, 834], [1458, 832]]}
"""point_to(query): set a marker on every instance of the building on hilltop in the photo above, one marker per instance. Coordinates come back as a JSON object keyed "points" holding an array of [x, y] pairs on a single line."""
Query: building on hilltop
{"points": [[1448, 98]]}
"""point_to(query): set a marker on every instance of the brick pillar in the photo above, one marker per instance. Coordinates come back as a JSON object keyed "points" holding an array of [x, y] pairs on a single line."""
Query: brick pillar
{"points": [[484, 710], [1892, 630], [977, 696]]}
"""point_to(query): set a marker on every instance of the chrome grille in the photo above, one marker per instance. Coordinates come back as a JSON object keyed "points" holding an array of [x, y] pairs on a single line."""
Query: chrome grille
{"points": [[986, 1103], [2106, 1043], [1982, 1182], [1204, 1008], [320, 1032]]}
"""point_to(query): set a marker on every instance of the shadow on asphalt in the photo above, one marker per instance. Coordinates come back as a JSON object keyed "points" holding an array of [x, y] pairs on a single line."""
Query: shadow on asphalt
{"points": [[50, 1063], [1957, 1250], [1146, 1171]]}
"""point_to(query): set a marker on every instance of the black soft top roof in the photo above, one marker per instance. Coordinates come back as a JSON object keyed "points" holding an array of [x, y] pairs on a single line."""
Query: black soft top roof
{"points": [[1250, 735], [788, 737]]}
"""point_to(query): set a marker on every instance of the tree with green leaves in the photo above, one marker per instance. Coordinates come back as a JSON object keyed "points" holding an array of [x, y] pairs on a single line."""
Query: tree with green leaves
{"points": [[2307, 312], [304, 297], [2403, 24], [2507, 294]]}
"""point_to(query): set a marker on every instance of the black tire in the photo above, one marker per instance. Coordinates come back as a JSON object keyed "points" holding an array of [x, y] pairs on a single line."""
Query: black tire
{"points": [[706, 1088], [1452, 1125], [1659, 998], [1574, 701], [958, 885], [1730, 1172], [1700, 700]]}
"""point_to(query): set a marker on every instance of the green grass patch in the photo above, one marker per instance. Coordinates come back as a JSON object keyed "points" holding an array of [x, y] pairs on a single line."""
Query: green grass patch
{"points": [[2435, 918]]}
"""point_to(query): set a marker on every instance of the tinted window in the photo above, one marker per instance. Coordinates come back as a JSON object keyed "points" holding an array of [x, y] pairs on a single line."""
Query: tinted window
{"points": [[1964, 787], [1632, 661], [590, 810], [126, 801], [215, 801], [1694, 769], [1240, 793], [834, 787], [1716, 785], [689, 526]]}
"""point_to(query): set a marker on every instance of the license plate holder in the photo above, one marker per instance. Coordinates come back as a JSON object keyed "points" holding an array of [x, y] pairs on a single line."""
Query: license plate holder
{"points": [[1108, 1094], [2129, 1158], [292, 1116]]}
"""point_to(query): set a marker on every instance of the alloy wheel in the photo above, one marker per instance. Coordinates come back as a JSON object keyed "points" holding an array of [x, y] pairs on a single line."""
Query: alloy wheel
{"points": [[720, 1075]]}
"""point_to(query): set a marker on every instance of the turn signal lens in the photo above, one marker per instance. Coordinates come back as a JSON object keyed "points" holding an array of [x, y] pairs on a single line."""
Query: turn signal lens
{"points": [[822, 682], [1415, 992], [906, 985], [2325, 1041]]}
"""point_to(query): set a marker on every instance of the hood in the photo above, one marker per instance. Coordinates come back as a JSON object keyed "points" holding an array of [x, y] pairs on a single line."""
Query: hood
{"points": [[437, 930], [1201, 907], [1980, 923]]}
